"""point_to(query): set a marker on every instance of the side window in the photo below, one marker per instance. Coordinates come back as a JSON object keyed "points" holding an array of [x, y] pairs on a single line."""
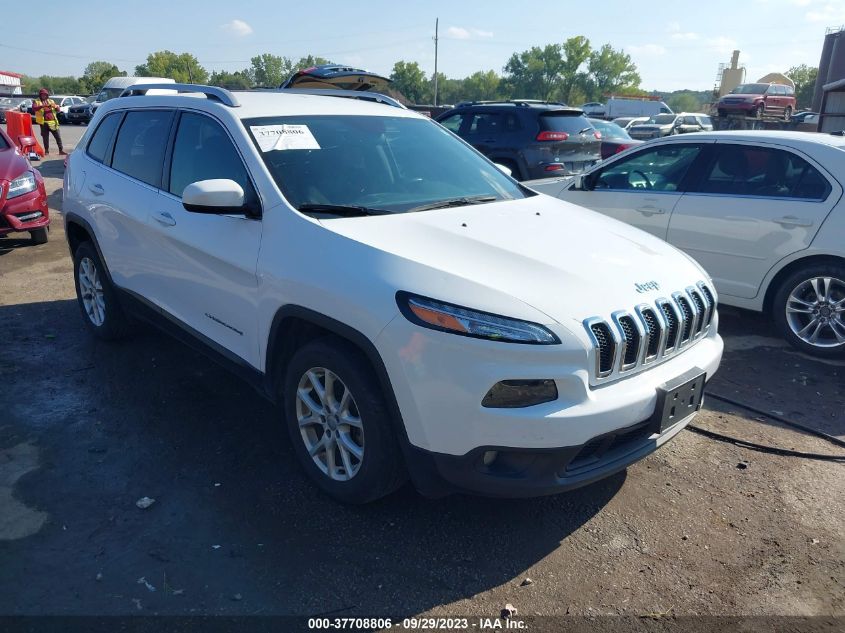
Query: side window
{"points": [[141, 140], [100, 140], [742, 170], [485, 123], [690, 120], [452, 123], [657, 169], [203, 151], [510, 122]]}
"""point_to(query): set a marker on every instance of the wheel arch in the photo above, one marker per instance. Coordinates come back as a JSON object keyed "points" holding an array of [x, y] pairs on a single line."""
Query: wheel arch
{"points": [[792, 267], [79, 230]]}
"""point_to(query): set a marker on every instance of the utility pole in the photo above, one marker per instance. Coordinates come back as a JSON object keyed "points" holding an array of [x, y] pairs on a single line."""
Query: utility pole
{"points": [[436, 30]]}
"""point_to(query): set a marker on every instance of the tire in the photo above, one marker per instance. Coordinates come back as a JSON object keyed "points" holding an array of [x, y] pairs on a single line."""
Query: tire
{"points": [[106, 319], [797, 305], [787, 114], [759, 112], [380, 469], [39, 236]]}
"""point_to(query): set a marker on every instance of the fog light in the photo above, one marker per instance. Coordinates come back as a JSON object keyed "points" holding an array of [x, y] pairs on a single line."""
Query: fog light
{"points": [[513, 394]]}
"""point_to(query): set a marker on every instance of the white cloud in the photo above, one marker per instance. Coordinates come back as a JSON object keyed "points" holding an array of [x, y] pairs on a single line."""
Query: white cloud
{"points": [[237, 27], [722, 44], [461, 33], [829, 13], [648, 49], [689, 35]]}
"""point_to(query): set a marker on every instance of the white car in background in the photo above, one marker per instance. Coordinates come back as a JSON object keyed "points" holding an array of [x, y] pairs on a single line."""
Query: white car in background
{"points": [[413, 309], [762, 212], [625, 122]]}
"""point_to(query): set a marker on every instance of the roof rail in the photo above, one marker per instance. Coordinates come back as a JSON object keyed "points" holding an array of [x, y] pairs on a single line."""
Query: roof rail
{"points": [[213, 93], [518, 102], [363, 95]]}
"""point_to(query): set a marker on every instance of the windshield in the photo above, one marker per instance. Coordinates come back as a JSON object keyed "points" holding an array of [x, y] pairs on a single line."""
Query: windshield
{"points": [[391, 164], [109, 93], [750, 89], [661, 119], [610, 130]]}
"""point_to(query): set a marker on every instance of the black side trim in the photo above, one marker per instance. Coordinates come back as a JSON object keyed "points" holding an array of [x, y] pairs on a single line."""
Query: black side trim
{"points": [[147, 311], [419, 463]]}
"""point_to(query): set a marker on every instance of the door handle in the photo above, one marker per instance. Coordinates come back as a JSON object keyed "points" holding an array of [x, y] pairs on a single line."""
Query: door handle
{"points": [[165, 218], [97, 190], [791, 220], [650, 210]]}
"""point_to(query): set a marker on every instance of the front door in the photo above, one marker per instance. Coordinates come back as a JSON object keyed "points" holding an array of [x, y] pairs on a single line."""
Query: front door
{"points": [[208, 261], [640, 189]]}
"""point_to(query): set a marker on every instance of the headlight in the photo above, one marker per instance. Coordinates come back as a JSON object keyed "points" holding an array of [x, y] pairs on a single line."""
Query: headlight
{"points": [[446, 317], [21, 185]]}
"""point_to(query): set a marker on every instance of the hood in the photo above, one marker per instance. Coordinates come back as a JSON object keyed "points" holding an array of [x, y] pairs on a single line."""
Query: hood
{"points": [[561, 259], [12, 164]]}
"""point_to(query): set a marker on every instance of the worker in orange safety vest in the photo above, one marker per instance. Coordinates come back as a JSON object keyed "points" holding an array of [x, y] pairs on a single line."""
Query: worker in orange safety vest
{"points": [[47, 117]]}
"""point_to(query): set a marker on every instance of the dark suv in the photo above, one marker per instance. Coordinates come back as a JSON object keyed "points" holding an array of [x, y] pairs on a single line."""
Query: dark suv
{"points": [[533, 139], [759, 100]]}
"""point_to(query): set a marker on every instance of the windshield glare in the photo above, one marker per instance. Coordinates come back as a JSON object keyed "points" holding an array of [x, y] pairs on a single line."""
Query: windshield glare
{"points": [[388, 163], [750, 89], [609, 129], [661, 119]]}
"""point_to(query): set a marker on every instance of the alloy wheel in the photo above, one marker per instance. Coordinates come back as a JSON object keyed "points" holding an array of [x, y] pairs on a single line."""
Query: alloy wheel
{"points": [[815, 311], [330, 423], [91, 291]]}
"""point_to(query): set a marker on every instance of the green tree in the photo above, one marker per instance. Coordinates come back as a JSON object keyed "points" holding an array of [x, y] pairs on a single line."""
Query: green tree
{"points": [[610, 72], [238, 80], [535, 73], [481, 85], [684, 102], [54, 85], [96, 74], [309, 60], [270, 70], [805, 84], [183, 68], [576, 52], [410, 80]]}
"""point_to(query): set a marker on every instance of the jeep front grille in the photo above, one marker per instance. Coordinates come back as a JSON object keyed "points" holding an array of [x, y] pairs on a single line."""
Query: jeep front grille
{"points": [[650, 333]]}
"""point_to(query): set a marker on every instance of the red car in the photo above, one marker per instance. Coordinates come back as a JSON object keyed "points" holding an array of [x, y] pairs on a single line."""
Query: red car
{"points": [[759, 100], [23, 198]]}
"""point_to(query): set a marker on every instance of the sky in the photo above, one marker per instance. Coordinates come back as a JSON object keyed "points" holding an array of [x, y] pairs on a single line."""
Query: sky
{"points": [[674, 45]]}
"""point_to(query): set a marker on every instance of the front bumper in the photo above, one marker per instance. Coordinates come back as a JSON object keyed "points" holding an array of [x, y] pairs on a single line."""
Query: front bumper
{"points": [[504, 472], [737, 106], [440, 379], [15, 214]]}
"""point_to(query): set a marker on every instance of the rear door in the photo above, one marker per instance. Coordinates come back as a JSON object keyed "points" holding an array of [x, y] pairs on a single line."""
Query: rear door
{"points": [[482, 130], [752, 206], [206, 263], [121, 186], [642, 188]]}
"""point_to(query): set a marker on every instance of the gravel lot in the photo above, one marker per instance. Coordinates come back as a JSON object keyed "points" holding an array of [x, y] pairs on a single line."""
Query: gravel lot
{"points": [[86, 429]]}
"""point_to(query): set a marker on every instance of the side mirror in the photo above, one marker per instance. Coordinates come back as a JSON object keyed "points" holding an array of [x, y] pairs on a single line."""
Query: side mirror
{"points": [[505, 170], [219, 195], [34, 156], [578, 182]]}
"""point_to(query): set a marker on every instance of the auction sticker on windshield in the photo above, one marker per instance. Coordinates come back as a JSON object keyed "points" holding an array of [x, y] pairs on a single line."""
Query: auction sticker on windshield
{"points": [[283, 137]]}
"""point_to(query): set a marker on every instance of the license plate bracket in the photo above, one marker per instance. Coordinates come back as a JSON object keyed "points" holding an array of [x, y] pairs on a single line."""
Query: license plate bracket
{"points": [[678, 398]]}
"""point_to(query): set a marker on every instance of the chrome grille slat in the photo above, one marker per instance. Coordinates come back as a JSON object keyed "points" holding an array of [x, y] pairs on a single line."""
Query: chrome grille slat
{"points": [[650, 333]]}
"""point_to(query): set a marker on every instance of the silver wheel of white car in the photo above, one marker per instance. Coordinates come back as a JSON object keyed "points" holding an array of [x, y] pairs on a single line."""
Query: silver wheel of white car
{"points": [[815, 311], [330, 423], [91, 291]]}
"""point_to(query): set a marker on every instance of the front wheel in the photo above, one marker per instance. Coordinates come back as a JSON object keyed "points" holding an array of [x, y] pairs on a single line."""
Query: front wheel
{"points": [[809, 309], [787, 114], [39, 236], [98, 302], [339, 423]]}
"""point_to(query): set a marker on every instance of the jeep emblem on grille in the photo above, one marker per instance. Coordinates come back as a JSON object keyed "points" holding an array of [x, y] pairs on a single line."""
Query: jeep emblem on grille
{"points": [[648, 285]]}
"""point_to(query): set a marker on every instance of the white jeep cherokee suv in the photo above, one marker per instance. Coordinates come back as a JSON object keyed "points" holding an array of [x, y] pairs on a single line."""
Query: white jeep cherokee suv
{"points": [[413, 310]]}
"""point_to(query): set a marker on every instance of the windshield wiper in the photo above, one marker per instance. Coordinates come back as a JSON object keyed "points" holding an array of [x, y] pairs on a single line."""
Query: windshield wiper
{"points": [[342, 210], [453, 202], [586, 129]]}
